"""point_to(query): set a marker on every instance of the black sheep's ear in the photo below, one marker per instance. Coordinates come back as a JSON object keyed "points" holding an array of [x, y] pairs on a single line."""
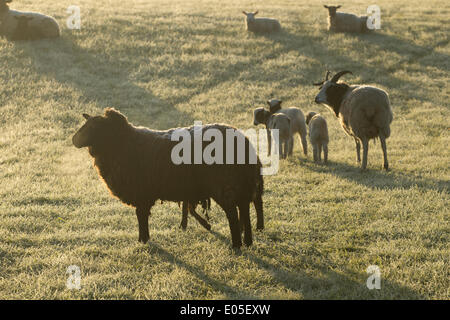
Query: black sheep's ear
{"points": [[338, 6], [325, 6], [244, 12], [86, 116]]}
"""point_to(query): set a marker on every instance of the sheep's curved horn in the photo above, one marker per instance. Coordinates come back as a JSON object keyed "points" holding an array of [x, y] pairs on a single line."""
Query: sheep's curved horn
{"points": [[338, 75]]}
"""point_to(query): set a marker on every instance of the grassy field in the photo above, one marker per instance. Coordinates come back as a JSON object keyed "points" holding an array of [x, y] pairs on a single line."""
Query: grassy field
{"points": [[168, 63]]}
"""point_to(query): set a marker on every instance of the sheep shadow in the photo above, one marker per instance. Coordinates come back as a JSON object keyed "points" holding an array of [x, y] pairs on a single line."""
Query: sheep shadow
{"points": [[316, 48], [377, 178], [229, 291], [411, 51], [330, 281], [91, 73]]}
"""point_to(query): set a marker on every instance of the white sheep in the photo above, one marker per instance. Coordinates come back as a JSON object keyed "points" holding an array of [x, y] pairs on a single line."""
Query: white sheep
{"points": [[345, 22], [282, 123], [297, 122], [318, 135], [261, 25], [364, 112], [37, 24]]}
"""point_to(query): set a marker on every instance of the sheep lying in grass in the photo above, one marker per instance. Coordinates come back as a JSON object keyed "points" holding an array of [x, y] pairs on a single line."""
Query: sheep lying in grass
{"points": [[282, 123], [318, 135], [364, 112], [38, 26], [345, 22], [137, 166], [261, 25], [297, 122]]}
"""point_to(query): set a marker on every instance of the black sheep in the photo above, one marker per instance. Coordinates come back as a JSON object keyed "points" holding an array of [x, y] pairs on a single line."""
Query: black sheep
{"points": [[137, 166]]}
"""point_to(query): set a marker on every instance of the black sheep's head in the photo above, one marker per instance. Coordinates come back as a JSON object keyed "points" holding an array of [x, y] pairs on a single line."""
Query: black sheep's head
{"points": [[331, 93], [332, 9], [100, 129]]}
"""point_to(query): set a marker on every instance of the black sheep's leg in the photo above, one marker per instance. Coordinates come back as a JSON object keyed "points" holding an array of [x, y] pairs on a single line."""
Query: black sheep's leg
{"points": [[184, 218], [259, 212], [233, 221], [202, 221], [226, 200], [142, 216], [244, 217]]}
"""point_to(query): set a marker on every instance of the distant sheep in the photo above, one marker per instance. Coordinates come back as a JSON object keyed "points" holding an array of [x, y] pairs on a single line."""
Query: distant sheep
{"points": [[261, 25], [345, 22], [364, 111], [136, 164], [318, 135], [37, 26], [282, 123]]}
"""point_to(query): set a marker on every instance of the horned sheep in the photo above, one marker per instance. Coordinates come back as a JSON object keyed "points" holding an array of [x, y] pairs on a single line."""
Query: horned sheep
{"points": [[136, 164], [36, 26], [318, 135], [364, 112]]}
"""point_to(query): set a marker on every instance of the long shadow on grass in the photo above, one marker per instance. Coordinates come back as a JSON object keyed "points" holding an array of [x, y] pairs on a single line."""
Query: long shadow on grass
{"points": [[378, 178], [329, 285], [408, 49], [198, 273], [102, 79], [332, 58]]}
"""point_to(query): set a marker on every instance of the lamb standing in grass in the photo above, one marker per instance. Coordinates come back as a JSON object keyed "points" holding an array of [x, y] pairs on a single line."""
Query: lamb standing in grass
{"points": [[364, 112], [345, 22], [261, 25], [137, 166], [282, 123], [318, 135], [39, 26], [297, 122]]}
